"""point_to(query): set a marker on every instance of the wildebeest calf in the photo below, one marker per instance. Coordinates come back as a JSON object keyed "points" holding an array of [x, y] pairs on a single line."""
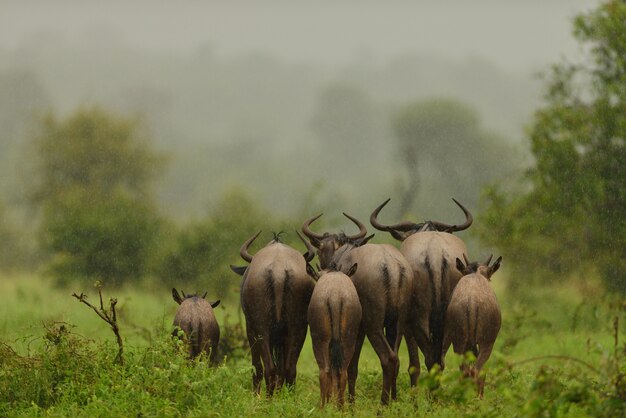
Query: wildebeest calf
{"points": [[473, 317], [334, 318], [196, 318]]}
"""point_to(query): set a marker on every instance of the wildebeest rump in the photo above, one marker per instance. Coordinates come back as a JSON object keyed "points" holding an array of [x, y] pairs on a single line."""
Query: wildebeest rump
{"points": [[431, 250], [473, 317], [196, 318], [275, 294], [334, 315]]}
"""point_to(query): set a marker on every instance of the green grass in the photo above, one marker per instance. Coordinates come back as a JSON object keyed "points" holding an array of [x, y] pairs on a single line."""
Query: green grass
{"points": [[46, 371]]}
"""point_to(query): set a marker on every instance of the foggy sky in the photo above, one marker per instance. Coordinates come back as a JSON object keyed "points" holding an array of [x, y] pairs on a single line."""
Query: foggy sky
{"points": [[522, 36]]}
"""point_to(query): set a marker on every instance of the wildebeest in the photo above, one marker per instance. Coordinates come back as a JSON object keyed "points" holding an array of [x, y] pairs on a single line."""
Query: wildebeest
{"points": [[473, 317], [334, 319], [275, 294], [431, 250], [383, 282], [196, 318]]}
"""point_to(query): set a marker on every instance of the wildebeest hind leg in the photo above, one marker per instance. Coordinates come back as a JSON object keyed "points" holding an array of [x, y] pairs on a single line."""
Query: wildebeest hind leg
{"points": [[388, 361], [294, 346], [483, 356], [414, 361], [322, 356], [257, 375], [353, 367], [269, 368]]}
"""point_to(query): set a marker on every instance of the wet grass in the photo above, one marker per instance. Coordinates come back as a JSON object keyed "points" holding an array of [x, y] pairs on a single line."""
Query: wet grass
{"points": [[58, 360]]}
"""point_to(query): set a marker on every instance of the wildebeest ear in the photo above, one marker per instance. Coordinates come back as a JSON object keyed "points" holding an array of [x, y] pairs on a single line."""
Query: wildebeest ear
{"points": [[363, 241], [460, 266], [495, 266], [352, 270], [397, 235], [240, 270], [214, 304], [311, 271], [176, 296]]}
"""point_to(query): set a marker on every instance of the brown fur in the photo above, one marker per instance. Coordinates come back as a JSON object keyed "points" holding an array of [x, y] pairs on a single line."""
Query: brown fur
{"points": [[431, 250], [275, 293], [473, 319], [431, 255], [196, 318], [384, 284], [334, 316]]}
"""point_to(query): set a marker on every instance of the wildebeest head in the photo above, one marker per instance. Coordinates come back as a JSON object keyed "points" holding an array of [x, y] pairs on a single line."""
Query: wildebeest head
{"points": [[403, 230], [178, 299], [484, 269], [327, 244], [332, 267]]}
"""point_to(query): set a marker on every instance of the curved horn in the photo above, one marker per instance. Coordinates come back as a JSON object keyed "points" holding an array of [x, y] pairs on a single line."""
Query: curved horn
{"points": [[453, 228], [362, 230], [308, 232], [243, 251], [489, 260], [402, 226], [310, 249], [374, 215]]}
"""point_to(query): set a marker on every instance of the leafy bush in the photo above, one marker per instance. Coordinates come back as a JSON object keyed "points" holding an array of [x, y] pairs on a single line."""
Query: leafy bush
{"points": [[105, 239]]}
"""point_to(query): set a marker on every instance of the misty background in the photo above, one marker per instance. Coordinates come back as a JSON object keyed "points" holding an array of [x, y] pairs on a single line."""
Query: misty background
{"points": [[291, 101]]}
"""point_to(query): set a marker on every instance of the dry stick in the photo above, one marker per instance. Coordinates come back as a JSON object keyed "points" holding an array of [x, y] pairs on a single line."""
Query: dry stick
{"points": [[109, 317]]}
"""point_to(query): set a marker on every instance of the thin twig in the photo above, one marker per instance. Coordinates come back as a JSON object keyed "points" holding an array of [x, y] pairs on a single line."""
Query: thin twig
{"points": [[554, 357]]}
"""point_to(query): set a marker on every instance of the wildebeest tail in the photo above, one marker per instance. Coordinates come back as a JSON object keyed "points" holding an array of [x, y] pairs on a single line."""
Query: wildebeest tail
{"points": [[336, 354], [436, 330], [391, 327], [194, 338], [277, 336]]}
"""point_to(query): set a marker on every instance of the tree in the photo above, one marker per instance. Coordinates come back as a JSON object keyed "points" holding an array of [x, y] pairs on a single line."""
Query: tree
{"points": [[345, 119], [569, 215], [96, 151], [93, 183], [442, 144], [110, 239]]}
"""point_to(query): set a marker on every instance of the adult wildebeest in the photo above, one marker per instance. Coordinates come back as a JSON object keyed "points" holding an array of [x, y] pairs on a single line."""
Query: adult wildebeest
{"points": [[431, 250], [275, 294], [383, 282], [334, 318], [473, 317], [196, 318]]}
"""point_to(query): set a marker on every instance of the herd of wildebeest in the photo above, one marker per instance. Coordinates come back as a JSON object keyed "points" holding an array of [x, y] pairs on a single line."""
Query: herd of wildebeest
{"points": [[426, 291]]}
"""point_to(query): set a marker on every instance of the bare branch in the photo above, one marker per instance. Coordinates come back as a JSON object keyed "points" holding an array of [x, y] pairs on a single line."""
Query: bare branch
{"points": [[554, 357], [109, 317]]}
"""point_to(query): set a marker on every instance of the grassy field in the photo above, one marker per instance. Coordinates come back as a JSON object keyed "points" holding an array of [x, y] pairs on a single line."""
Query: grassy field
{"points": [[556, 355]]}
